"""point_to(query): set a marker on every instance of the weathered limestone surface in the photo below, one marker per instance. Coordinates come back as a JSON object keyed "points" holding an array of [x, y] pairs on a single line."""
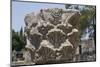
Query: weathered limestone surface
{"points": [[52, 35]]}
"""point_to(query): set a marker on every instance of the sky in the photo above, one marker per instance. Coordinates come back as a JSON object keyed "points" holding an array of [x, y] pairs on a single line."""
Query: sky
{"points": [[20, 9]]}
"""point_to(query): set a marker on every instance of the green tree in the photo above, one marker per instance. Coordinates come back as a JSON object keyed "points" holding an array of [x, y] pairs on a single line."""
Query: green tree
{"points": [[21, 32], [18, 40], [87, 14]]}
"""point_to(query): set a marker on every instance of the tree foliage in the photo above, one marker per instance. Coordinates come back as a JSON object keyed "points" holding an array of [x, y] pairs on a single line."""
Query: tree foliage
{"points": [[18, 40], [87, 14]]}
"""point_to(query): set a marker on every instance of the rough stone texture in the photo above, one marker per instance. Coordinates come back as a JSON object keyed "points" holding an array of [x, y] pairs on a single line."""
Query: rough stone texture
{"points": [[52, 35]]}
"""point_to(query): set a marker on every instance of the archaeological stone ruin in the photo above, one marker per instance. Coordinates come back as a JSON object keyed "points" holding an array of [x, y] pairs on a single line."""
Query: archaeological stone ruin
{"points": [[52, 36]]}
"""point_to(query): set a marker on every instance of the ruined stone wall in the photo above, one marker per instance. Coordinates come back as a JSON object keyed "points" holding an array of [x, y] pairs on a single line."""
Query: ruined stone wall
{"points": [[52, 35]]}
